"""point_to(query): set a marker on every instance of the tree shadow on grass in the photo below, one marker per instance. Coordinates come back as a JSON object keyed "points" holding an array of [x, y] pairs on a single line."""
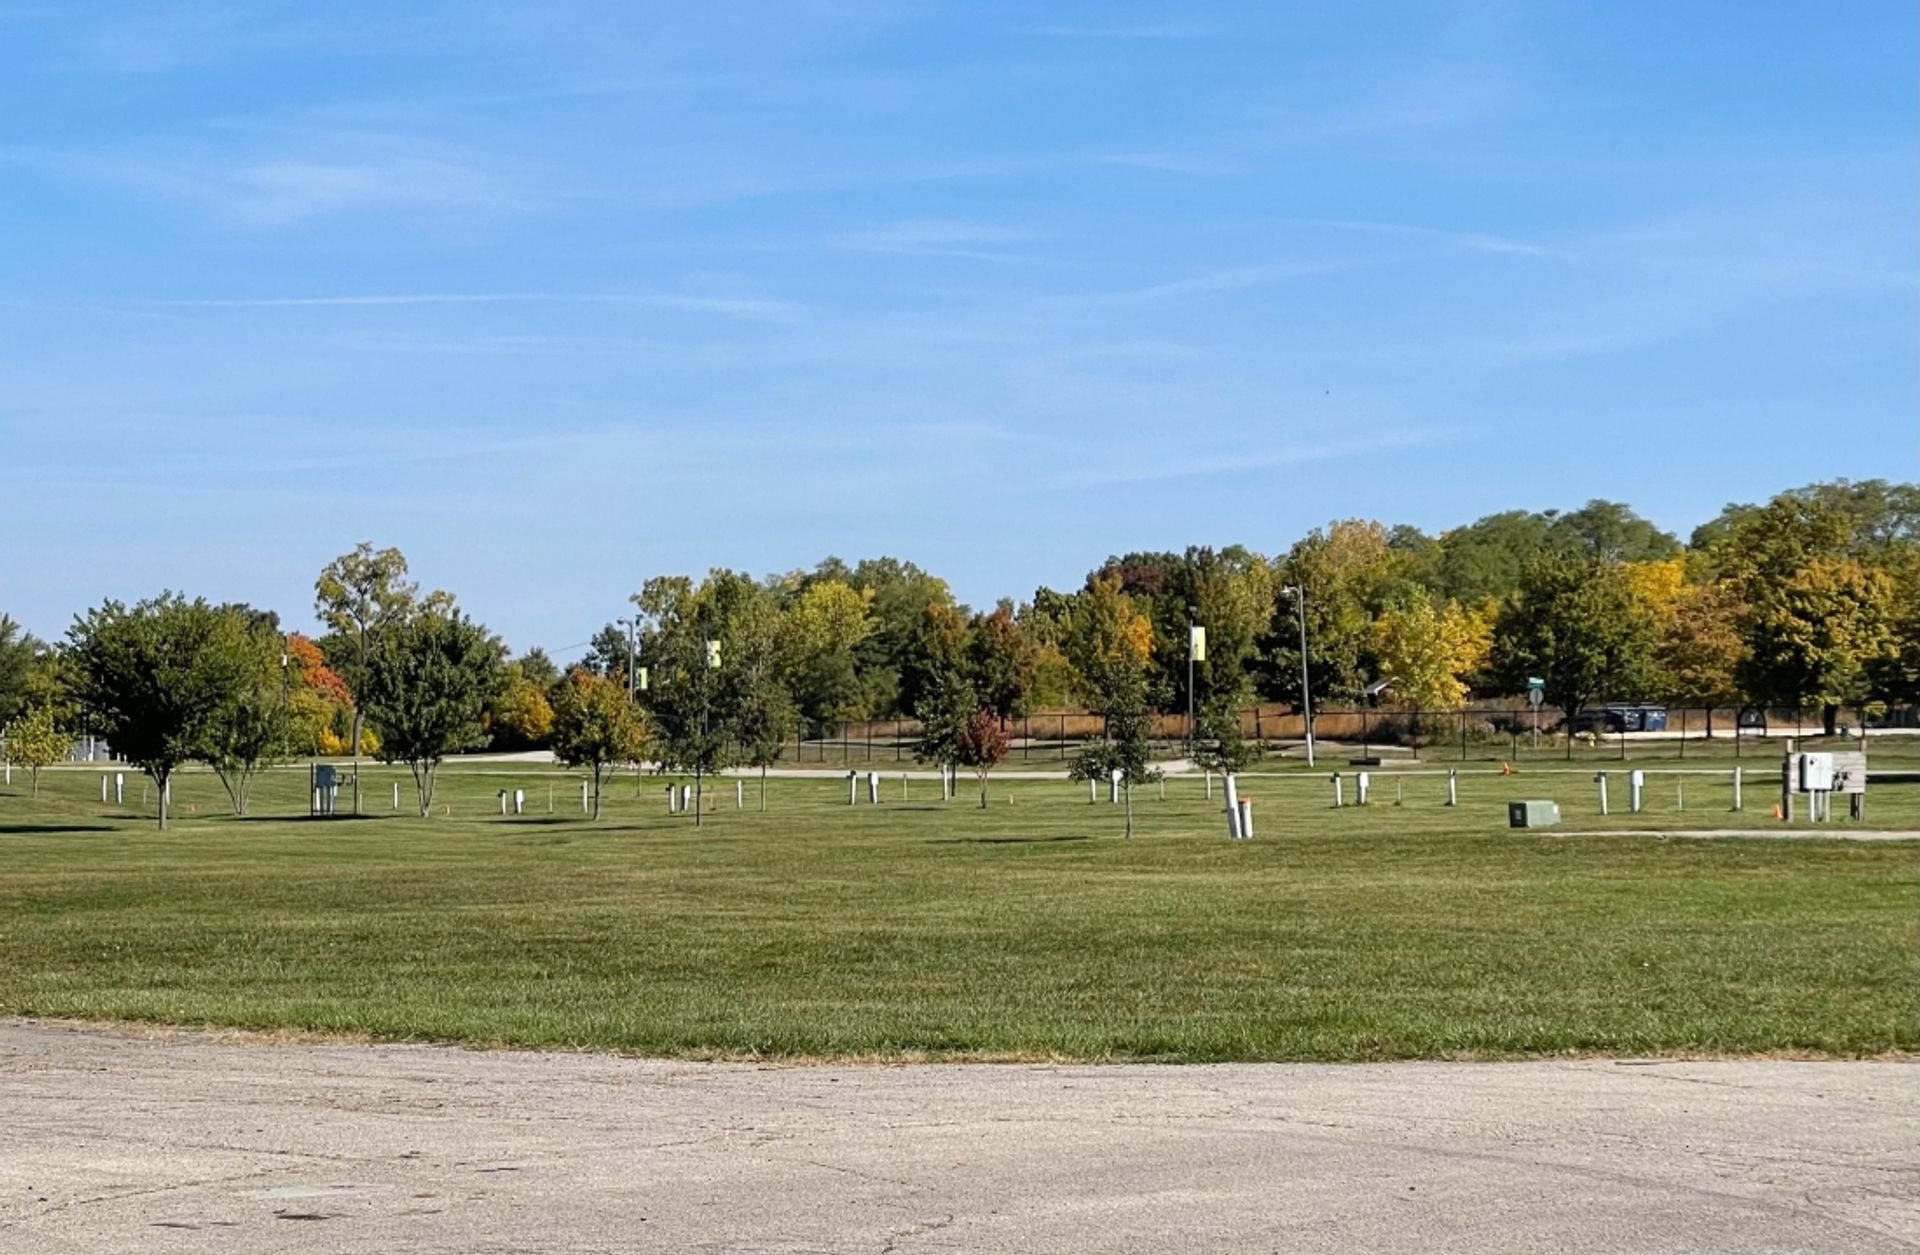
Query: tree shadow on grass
{"points": [[29, 830], [1079, 836]]}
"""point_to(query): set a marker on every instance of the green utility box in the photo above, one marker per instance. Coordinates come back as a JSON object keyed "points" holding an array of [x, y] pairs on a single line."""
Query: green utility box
{"points": [[1532, 814]]}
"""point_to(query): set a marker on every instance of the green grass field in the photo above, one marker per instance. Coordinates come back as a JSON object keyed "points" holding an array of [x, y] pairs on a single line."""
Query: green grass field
{"points": [[1030, 929]]}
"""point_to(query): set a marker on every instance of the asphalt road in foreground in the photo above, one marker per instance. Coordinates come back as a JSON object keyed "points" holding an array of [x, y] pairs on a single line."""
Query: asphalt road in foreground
{"points": [[178, 1142]]}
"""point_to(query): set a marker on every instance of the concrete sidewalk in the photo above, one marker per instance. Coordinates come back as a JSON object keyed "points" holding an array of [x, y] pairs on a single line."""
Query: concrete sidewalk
{"points": [[177, 1142]]}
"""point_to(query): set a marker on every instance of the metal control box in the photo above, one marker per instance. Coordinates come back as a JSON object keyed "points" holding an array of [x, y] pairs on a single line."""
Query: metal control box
{"points": [[1816, 773], [1532, 814]]}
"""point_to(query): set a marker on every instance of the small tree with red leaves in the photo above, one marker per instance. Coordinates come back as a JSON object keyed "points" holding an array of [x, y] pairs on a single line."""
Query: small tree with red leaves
{"points": [[982, 743]]}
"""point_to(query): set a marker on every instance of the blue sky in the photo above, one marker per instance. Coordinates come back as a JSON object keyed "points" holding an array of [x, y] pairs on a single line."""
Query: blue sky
{"points": [[556, 297]]}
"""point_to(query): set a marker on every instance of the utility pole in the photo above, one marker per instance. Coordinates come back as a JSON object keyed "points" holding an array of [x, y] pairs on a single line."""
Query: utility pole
{"points": [[1299, 595]]}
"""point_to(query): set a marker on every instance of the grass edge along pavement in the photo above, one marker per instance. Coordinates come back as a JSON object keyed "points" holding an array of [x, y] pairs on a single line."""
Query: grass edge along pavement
{"points": [[916, 930]]}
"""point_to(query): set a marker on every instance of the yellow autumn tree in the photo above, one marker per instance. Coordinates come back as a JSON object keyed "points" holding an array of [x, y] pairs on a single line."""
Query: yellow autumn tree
{"points": [[1428, 652]]}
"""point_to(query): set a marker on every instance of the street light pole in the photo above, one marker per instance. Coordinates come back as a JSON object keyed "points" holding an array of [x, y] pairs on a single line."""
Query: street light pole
{"points": [[1299, 595], [1190, 626], [633, 651]]}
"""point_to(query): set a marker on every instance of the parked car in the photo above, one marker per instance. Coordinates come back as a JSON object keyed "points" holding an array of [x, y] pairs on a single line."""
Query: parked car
{"points": [[1622, 717]]}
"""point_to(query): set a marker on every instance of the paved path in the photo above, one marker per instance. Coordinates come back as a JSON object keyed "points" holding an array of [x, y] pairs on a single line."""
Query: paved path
{"points": [[1822, 833], [182, 1143]]}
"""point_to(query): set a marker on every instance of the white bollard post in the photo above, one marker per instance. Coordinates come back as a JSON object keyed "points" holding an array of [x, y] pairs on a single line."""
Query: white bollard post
{"points": [[396, 796], [873, 788], [585, 809], [503, 801], [1679, 795], [1232, 792], [739, 795], [1361, 783], [1113, 787], [519, 801], [1093, 794], [1246, 819], [103, 790], [686, 798], [1636, 781], [1736, 788], [853, 788], [120, 788], [1600, 778], [1209, 786], [673, 800], [1453, 787], [1338, 796]]}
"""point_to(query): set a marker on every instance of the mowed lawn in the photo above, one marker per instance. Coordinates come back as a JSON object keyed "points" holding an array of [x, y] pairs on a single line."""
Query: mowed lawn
{"points": [[915, 928]]}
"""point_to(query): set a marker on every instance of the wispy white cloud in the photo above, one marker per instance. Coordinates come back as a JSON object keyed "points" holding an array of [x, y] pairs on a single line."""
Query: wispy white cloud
{"points": [[282, 192], [1474, 241], [1123, 31], [753, 308], [940, 237], [1248, 456]]}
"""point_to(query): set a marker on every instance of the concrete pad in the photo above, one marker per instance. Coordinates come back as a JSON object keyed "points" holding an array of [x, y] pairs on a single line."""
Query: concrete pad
{"points": [[177, 1142]]}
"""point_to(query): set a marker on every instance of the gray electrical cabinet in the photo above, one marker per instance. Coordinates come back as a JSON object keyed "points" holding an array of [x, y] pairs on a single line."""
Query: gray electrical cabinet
{"points": [[1532, 814]]}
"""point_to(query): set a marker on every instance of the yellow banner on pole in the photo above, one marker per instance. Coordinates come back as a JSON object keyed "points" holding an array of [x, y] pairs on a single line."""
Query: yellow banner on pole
{"points": [[1199, 643]]}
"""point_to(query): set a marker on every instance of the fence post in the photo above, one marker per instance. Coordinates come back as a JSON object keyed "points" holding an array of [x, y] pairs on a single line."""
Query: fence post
{"points": [[1736, 788]]}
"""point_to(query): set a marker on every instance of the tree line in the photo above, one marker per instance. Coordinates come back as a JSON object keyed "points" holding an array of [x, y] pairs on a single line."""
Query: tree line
{"points": [[1809, 599]]}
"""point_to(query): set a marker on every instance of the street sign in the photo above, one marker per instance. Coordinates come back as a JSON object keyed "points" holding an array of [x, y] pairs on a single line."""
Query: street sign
{"points": [[1536, 690], [1198, 643]]}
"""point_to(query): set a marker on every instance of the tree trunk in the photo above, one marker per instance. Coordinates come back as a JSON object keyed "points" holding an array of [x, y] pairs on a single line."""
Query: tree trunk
{"points": [[598, 773], [763, 788], [358, 722], [236, 787], [1830, 718], [160, 782], [699, 798], [35, 773], [1127, 789], [983, 790], [423, 785]]}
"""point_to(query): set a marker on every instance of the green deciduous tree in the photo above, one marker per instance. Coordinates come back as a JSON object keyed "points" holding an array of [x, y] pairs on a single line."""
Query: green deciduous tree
{"points": [[681, 645], [20, 654], [758, 712], [363, 596], [1610, 531], [35, 740], [596, 727], [821, 634], [1577, 625], [425, 690], [1819, 635], [254, 725], [1349, 572], [1111, 644], [156, 676]]}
